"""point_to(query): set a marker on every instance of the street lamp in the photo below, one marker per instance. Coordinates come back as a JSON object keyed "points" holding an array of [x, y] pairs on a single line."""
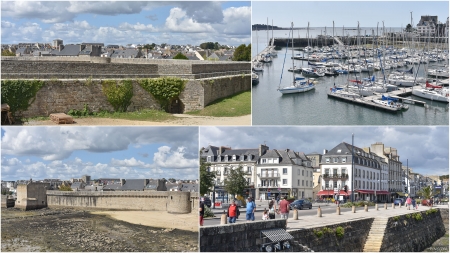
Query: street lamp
{"points": [[353, 174]]}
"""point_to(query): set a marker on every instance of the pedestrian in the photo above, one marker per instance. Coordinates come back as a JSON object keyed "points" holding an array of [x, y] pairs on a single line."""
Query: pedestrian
{"points": [[201, 210], [272, 209], [250, 210], [232, 212], [265, 215], [414, 204], [408, 203], [284, 209]]}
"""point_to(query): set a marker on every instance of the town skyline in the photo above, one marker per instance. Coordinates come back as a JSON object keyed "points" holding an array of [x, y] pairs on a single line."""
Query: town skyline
{"points": [[421, 146], [347, 13], [101, 152], [127, 22]]}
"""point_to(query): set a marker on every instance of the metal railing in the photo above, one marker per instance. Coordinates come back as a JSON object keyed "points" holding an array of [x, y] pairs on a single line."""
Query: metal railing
{"points": [[335, 176]]}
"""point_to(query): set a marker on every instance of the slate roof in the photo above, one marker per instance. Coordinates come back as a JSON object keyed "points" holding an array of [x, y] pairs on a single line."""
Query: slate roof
{"points": [[210, 151], [285, 156], [346, 149], [70, 50], [254, 153], [134, 185], [186, 187], [126, 53]]}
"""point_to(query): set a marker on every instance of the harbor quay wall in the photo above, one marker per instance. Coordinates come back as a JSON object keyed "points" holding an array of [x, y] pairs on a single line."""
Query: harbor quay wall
{"points": [[61, 96], [408, 234], [242, 237], [402, 233], [172, 202]]}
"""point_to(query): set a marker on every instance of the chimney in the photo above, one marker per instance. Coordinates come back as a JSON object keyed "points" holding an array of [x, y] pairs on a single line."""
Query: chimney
{"points": [[262, 149], [61, 47], [325, 151], [122, 182]]}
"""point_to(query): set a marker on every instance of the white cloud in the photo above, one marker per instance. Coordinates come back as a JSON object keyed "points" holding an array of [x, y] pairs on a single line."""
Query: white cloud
{"points": [[179, 22], [128, 163], [137, 27], [237, 20], [168, 158]]}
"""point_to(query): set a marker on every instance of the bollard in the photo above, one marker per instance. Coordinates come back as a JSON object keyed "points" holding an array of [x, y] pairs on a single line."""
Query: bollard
{"points": [[393, 206], [366, 208], [385, 206], [223, 219], [353, 209], [319, 212], [376, 207], [295, 216], [338, 210]]}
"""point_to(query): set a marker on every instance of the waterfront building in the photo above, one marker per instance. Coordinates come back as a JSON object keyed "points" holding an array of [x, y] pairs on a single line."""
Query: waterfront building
{"points": [[222, 159], [284, 173], [395, 179], [369, 173], [427, 25], [315, 159]]}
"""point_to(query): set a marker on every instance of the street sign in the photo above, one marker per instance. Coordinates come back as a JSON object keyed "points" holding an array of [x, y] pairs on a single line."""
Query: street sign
{"points": [[268, 194]]}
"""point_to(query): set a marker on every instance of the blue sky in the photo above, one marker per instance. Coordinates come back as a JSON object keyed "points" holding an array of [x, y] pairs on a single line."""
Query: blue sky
{"points": [[426, 148], [118, 152], [346, 13], [127, 22]]}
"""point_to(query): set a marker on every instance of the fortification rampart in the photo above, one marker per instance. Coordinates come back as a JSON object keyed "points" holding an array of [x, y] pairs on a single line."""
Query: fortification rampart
{"points": [[98, 67], [172, 202], [58, 96]]}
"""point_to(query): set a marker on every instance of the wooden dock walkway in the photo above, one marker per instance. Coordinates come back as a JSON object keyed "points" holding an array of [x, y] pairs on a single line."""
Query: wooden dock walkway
{"points": [[367, 101]]}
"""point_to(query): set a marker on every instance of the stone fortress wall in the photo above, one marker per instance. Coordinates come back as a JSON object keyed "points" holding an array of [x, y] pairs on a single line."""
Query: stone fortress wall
{"points": [[172, 202], [206, 82], [401, 234]]}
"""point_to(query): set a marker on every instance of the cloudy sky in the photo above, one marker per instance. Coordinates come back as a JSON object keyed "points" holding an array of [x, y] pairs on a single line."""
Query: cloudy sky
{"points": [[426, 148], [113, 152], [346, 13], [127, 22]]}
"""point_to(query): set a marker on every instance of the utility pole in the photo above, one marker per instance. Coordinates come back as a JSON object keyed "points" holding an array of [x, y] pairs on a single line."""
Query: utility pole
{"points": [[353, 174]]}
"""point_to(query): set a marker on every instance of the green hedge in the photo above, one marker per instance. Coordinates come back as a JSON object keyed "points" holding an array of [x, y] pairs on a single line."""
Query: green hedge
{"points": [[20, 94]]}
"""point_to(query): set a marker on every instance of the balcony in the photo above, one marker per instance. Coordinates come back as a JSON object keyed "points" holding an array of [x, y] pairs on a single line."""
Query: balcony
{"points": [[335, 176], [218, 173], [269, 175]]}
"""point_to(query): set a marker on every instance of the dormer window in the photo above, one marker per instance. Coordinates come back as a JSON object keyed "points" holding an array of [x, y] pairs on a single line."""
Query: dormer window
{"points": [[264, 161], [344, 159], [234, 157], [226, 158], [327, 160], [242, 157], [208, 159], [249, 157]]}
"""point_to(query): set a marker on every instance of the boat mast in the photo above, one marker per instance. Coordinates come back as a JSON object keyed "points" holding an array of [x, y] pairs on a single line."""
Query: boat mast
{"points": [[292, 50]]}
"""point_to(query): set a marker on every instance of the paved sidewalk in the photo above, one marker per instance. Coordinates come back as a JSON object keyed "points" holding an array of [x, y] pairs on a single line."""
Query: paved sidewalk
{"points": [[311, 221]]}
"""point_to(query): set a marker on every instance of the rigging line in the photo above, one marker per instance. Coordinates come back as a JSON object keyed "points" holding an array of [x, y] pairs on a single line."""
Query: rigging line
{"points": [[287, 45]]}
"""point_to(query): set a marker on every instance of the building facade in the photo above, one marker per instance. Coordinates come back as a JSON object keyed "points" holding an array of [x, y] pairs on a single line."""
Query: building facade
{"points": [[366, 173], [284, 173]]}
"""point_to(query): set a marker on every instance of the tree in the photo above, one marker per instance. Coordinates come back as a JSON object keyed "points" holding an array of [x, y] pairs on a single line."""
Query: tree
{"points": [[8, 53], [180, 56], [408, 28], [65, 187], [426, 192], [235, 182], [243, 53], [206, 178], [149, 47]]}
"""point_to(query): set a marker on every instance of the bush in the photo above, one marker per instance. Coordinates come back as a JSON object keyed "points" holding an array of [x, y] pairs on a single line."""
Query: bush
{"points": [[208, 212], [395, 218], [164, 90], [340, 232], [430, 211], [417, 216], [19, 94], [318, 233], [118, 94], [180, 56], [327, 230]]}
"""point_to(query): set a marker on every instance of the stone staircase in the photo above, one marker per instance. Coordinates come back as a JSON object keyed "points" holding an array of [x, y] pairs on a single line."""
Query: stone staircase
{"points": [[376, 234]]}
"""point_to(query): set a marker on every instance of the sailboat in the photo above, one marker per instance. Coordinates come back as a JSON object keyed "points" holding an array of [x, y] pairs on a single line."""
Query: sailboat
{"points": [[299, 84]]}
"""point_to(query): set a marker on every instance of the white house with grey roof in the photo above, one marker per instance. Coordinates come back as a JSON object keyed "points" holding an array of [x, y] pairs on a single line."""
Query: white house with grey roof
{"points": [[369, 174], [223, 159], [284, 172]]}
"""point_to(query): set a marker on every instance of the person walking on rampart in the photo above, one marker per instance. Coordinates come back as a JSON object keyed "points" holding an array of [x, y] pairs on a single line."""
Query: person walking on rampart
{"points": [[233, 212], [272, 209], [414, 204], [201, 210], [250, 210], [408, 203], [284, 209]]}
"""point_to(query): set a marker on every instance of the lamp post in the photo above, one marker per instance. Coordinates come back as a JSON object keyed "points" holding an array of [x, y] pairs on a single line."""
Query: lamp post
{"points": [[353, 174]]}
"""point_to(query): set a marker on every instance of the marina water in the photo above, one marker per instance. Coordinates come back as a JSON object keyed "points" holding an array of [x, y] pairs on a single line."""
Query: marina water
{"points": [[314, 107]]}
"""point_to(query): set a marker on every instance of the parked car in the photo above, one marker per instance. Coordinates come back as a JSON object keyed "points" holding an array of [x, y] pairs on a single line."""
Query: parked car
{"points": [[300, 204], [399, 202]]}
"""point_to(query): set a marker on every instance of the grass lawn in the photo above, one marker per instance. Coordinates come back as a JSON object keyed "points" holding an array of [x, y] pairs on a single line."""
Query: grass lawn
{"points": [[233, 106], [143, 115]]}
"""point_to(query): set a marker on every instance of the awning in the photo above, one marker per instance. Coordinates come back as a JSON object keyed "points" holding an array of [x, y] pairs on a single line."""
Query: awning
{"points": [[331, 193], [401, 194], [382, 192], [366, 191]]}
